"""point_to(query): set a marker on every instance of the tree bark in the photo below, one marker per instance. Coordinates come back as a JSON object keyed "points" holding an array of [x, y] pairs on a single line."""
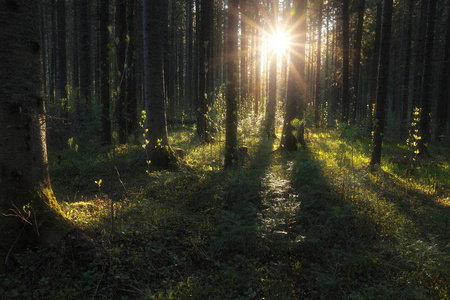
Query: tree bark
{"points": [[205, 45], [444, 98], [85, 57], [406, 67], [383, 80], [231, 93], [158, 149], [357, 61], [104, 71], [131, 109], [273, 58], [317, 102], [296, 88], [345, 62], [24, 182], [61, 74], [427, 90], [121, 48], [375, 65]]}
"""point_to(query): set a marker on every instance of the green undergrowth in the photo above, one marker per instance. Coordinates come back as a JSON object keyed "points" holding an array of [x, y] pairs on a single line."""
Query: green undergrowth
{"points": [[313, 224]]}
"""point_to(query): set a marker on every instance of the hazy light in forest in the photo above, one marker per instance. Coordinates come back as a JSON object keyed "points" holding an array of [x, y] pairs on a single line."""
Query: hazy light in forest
{"points": [[279, 42]]}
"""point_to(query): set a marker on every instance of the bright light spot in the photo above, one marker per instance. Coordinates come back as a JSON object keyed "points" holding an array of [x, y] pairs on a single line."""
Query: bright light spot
{"points": [[279, 42]]}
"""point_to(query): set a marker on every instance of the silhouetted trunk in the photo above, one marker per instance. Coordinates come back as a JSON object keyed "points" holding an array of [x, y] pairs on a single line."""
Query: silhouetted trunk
{"points": [[427, 92], [345, 62], [205, 45], [76, 57], [25, 188], [406, 67], [121, 47], [158, 149], [375, 65], [104, 71], [231, 93], [357, 60], [296, 88], [317, 102], [258, 61], [85, 57], [444, 98], [61, 80], [419, 59], [273, 55], [383, 80], [244, 51], [131, 110]]}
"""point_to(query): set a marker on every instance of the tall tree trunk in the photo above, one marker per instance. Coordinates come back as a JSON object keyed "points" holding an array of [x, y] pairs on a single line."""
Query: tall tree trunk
{"points": [[85, 57], [317, 101], [158, 149], [427, 92], [345, 62], [419, 58], [357, 60], [374, 65], [296, 88], [406, 67], [258, 60], [205, 45], [76, 57], [104, 71], [189, 53], [121, 47], [244, 51], [383, 80], [444, 98], [53, 56], [61, 80], [25, 183], [131, 109], [273, 58], [231, 93]]}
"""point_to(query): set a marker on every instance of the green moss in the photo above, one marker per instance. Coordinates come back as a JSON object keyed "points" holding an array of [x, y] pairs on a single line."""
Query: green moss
{"points": [[39, 221]]}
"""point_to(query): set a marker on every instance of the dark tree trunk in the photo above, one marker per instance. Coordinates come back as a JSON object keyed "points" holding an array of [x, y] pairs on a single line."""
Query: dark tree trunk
{"points": [[357, 60], [419, 58], [345, 62], [317, 102], [383, 80], [121, 47], [53, 56], [131, 110], [375, 64], [85, 57], [258, 61], [296, 88], [231, 93], [189, 53], [205, 45], [61, 80], [158, 149], [427, 92], [25, 183], [104, 71], [444, 98], [406, 67], [244, 51], [272, 103], [76, 57]]}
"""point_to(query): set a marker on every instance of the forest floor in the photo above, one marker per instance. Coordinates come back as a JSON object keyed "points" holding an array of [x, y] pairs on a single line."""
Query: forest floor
{"points": [[312, 224]]}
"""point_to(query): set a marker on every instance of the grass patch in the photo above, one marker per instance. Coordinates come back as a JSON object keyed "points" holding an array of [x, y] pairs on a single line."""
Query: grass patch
{"points": [[305, 225]]}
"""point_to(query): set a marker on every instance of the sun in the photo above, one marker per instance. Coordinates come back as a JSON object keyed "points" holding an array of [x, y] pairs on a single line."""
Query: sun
{"points": [[279, 41]]}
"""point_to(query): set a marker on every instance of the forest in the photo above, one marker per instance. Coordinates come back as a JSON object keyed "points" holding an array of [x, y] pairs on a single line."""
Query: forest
{"points": [[224, 149]]}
